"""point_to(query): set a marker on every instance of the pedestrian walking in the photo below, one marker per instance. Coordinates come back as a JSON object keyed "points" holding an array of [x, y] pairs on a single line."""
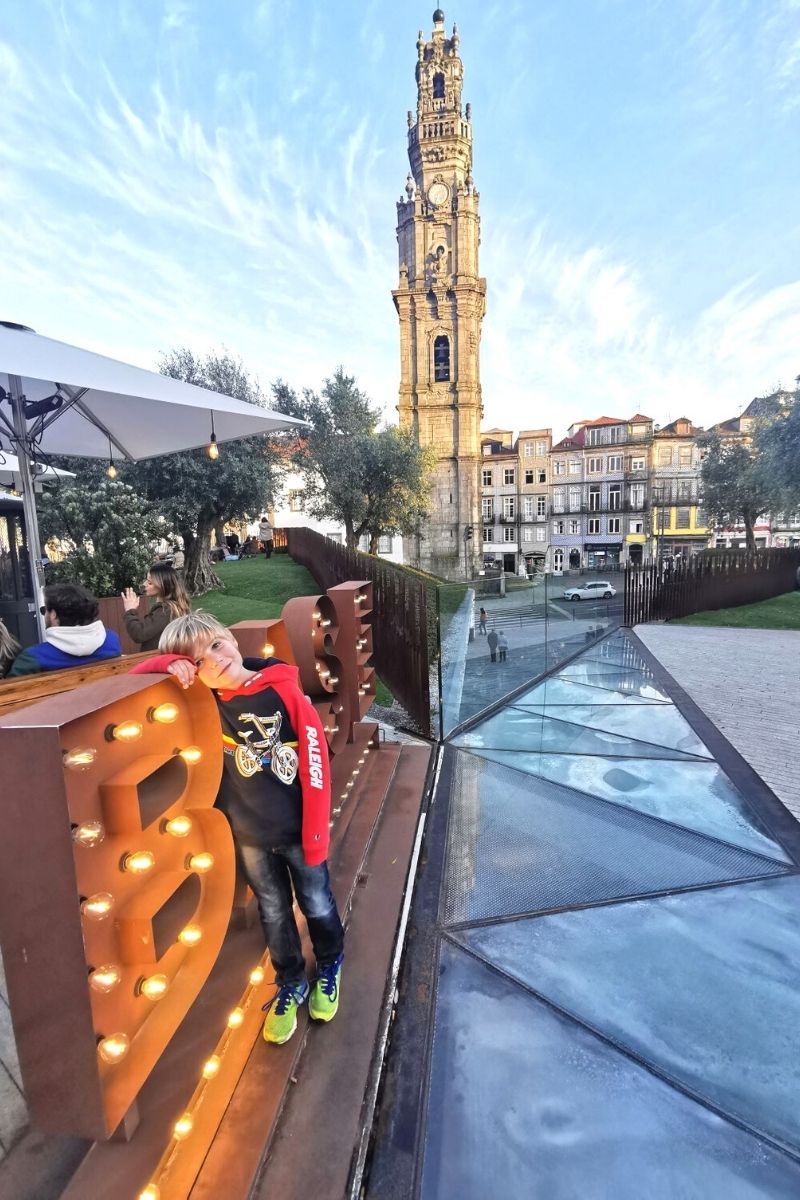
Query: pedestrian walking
{"points": [[482, 622], [492, 640], [502, 645]]}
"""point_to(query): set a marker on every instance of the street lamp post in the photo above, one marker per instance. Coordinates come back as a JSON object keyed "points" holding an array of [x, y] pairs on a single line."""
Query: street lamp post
{"points": [[468, 535]]}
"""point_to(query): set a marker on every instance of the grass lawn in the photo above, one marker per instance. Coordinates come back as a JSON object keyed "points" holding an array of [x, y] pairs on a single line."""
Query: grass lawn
{"points": [[781, 612], [255, 588]]}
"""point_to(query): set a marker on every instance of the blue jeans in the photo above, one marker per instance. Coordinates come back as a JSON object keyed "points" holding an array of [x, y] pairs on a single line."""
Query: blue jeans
{"points": [[272, 874]]}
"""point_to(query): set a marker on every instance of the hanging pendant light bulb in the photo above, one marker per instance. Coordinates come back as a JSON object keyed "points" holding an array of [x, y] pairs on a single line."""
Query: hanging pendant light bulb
{"points": [[212, 449], [111, 470]]}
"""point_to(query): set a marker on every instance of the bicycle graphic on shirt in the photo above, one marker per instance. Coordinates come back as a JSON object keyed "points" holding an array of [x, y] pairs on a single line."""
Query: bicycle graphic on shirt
{"points": [[251, 757]]}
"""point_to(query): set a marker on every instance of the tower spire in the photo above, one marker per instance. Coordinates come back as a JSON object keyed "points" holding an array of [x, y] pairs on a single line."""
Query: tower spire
{"points": [[440, 302]]}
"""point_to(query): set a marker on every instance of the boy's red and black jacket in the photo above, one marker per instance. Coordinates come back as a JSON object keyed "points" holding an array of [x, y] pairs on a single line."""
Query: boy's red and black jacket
{"points": [[269, 798]]}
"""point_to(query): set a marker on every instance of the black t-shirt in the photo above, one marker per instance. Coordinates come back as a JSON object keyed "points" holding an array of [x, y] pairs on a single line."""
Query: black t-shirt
{"points": [[260, 791]]}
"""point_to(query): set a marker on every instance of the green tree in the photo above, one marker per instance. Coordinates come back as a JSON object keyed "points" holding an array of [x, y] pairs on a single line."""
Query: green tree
{"points": [[733, 484], [196, 494], [107, 531], [778, 442], [396, 474], [372, 480]]}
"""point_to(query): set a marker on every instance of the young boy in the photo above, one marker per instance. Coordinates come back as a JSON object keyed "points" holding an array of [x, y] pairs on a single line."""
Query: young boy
{"points": [[276, 793]]}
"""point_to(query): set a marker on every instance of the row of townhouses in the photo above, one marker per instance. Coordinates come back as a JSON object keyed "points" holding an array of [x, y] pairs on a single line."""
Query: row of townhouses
{"points": [[612, 491]]}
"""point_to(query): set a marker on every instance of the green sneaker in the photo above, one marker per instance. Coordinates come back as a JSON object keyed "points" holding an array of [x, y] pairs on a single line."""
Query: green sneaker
{"points": [[325, 994], [281, 1019]]}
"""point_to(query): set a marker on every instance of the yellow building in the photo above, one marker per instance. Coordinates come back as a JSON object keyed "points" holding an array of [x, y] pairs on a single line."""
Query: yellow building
{"points": [[678, 525], [440, 303]]}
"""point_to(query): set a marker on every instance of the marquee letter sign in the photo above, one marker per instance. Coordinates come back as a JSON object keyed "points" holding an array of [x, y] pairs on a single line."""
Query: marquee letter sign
{"points": [[117, 873]]}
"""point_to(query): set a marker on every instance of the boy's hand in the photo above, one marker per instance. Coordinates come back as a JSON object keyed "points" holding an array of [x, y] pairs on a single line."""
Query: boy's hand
{"points": [[184, 671]]}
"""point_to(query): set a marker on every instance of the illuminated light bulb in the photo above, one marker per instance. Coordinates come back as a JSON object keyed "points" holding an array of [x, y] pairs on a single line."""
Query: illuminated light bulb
{"points": [[165, 714], [318, 666], [366, 750], [356, 772], [235, 1018], [112, 1049], [324, 674], [79, 759], [191, 754], [151, 1192], [212, 449], [343, 796], [211, 1066], [190, 936], [340, 708], [177, 826], [268, 649], [316, 615], [111, 470], [337, 810], [257, 975], [126, 731], [152, 986], [183, 1126], [138, 861], [97, 906], [362, 691], [361, 762], [200, 862], [335, 729], [105, 979], [325, 623], [88, 833], [334, 679]]}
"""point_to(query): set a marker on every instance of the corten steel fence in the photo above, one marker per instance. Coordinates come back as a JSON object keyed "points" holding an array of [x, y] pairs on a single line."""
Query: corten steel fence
{"points": [[404, 614], [717, 579]]}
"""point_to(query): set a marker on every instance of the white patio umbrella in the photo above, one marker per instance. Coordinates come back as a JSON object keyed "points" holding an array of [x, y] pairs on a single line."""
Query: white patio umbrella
{"points": [[42, 472], [60, 399]]}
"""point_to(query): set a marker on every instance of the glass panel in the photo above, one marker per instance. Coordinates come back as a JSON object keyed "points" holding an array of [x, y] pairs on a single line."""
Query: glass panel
{"points": [[658, 724], [703, 986], [521, 845], [695, 795], [542, 1109], [524, 610], [561, 690], [560, 733], [630, 683]]}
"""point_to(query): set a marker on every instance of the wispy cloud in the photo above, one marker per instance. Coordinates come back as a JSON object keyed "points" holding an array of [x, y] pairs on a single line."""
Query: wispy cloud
{"points": [[233, 181]]}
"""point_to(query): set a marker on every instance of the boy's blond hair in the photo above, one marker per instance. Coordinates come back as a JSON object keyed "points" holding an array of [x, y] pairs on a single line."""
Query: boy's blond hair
{"points": [[191, 633]]}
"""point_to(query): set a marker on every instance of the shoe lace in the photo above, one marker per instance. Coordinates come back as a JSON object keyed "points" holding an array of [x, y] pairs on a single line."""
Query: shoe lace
{"points": [[284, 997], [328, 977]]}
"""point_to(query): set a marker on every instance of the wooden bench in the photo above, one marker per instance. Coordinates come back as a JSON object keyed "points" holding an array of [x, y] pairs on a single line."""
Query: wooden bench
{"points": [[27, 689]]}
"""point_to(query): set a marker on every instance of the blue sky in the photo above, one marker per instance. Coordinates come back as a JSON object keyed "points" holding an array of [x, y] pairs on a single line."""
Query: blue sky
{"points": [[190, 172]]}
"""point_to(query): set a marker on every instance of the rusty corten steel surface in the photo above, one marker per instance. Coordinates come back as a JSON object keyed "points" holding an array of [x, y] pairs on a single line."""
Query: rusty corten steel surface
{"points": [[353, 604], [111, 1168], [255, 637], [49, 946]]}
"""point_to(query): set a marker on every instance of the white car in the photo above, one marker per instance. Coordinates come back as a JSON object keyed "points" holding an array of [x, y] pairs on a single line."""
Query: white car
{"points": [[600, 590]]}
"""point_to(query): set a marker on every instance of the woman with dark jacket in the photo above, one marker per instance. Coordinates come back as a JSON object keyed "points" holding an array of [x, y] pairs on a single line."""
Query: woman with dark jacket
{"points": [[165, 586]]}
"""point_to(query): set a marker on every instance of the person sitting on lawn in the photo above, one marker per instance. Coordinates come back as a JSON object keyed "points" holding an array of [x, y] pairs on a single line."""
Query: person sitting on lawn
{"points": [[74, 637]]}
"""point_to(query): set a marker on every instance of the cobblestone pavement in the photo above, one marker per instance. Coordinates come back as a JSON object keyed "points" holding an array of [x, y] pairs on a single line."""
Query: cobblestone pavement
{"points": [[747, 681]]}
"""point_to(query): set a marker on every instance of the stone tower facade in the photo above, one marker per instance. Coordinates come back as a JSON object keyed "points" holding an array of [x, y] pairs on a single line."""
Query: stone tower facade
{"points": [[440, 301]]}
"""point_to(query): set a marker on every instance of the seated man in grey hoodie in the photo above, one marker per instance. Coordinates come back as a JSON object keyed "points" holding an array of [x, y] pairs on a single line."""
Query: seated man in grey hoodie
{"points": [[74, 636]]}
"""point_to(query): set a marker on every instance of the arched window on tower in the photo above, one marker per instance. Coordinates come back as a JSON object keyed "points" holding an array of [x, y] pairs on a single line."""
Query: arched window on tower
{"points": [[438, 86], [441, 359]]}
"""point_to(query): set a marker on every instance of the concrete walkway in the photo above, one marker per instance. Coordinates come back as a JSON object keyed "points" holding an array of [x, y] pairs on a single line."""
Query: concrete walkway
{"points": [[747, 681]]}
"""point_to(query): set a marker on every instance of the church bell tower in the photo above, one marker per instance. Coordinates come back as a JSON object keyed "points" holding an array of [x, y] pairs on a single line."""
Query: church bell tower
{"points": [[440, 301]]}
